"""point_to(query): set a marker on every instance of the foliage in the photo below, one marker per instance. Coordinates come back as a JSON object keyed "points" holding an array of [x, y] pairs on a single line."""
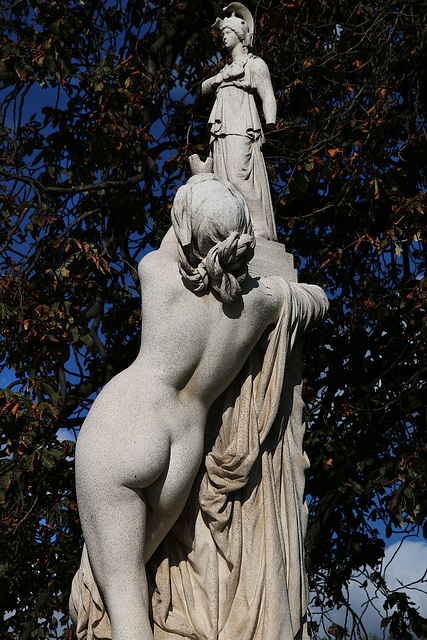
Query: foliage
{"points": [[97, 121]]}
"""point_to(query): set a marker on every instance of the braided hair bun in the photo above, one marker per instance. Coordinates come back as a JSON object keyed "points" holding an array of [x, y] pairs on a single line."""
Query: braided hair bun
{"points": [[215, 236]]}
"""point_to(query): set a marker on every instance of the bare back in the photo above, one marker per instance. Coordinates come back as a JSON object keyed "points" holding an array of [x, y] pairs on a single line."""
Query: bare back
{"points": [[198, 345]]}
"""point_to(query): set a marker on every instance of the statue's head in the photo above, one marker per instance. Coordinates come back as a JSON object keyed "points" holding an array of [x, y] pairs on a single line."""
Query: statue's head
{"points": [[215, 235], [214, 208], [241, 22], [238, 26]]}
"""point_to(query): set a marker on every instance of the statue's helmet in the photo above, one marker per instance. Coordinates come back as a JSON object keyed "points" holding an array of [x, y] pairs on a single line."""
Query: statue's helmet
{"points": [[237, 25], [241, 22]]}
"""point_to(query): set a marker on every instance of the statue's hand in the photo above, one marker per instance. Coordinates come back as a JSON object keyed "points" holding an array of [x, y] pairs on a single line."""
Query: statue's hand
{"points": [[233, 71], [219, 78]]}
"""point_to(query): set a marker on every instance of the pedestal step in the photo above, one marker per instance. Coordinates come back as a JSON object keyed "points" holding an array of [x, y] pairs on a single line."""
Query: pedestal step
{"points": [[272, 259]]}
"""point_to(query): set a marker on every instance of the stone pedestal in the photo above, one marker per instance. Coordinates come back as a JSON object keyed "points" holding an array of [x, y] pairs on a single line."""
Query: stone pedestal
{"points": [[272, 259]]}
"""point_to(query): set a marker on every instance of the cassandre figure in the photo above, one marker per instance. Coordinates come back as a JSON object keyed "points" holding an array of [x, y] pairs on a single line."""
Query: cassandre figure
{"points": [[236, 135], [142, 443]]}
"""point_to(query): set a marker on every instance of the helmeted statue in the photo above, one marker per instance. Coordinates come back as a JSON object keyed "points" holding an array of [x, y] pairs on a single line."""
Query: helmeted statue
{"points": [[236, 135]]}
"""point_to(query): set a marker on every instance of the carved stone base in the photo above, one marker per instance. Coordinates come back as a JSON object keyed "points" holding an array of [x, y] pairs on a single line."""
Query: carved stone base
{"points": [[272, 259]]}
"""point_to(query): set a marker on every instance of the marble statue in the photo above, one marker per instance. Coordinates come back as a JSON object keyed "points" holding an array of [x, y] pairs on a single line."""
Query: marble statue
{"points": [[217, 381], [190, 464], [236, 135]]}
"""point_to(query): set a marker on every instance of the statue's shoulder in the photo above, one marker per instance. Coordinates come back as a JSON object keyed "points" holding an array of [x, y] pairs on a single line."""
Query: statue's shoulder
{"points": [[155, 265], [267, 294], [256, 63], [167, 255], [258, 70], [147, 264]]}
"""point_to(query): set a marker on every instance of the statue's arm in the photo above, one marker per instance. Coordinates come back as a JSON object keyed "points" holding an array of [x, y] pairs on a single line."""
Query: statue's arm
{"points": [[306, 302], [262, 82], [311, 303], [211, 84]]}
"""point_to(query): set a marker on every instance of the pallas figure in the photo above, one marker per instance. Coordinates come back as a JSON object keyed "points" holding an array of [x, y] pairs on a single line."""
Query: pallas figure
{"points": [[236, 135]]}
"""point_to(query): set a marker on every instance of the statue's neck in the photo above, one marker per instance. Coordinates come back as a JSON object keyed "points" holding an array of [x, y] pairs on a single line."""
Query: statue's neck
{"points": [[239, 53]]}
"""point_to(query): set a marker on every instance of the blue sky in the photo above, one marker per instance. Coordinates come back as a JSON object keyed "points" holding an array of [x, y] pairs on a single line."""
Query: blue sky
{"points": [[405, 569]]}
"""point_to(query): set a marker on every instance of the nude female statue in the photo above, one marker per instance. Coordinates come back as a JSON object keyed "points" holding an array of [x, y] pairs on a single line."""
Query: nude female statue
{"points": [[236, 135], [141, 444]]}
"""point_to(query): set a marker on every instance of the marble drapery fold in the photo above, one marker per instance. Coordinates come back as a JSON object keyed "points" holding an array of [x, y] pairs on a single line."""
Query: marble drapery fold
{"points": [[87, 609]]}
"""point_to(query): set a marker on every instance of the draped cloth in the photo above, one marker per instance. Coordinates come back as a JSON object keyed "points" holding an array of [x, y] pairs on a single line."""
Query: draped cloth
{"points": [[87, 609], [232, 567]]}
